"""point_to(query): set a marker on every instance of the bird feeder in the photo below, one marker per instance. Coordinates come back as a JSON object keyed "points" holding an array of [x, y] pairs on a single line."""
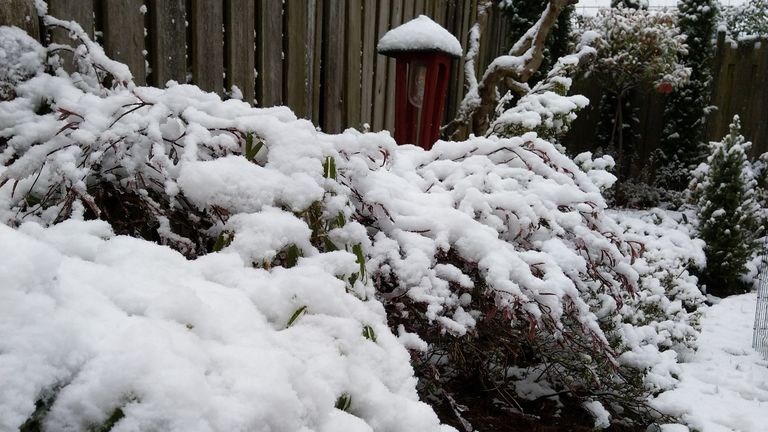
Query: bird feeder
{"points": [[423, 51]]}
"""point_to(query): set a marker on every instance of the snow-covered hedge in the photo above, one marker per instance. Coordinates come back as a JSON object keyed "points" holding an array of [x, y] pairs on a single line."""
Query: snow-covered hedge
{"points": [[305, 246]]}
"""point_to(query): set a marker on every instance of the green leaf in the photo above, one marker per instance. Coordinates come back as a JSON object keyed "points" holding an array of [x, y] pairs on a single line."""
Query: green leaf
{"points": [[329, 168], [252, 150], [368, 333], [343, 402], [296, 315], [293, 256], [358, 251], [110, 422], [223, 240]]}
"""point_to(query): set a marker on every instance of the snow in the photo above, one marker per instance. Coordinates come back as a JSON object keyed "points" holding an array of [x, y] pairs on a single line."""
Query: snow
{"points": [[199, 345], [724, 385], [420, 34]]}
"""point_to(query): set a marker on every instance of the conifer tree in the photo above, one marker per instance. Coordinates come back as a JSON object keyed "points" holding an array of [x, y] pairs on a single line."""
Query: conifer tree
{"points": [[728, 213], [682, 145]]}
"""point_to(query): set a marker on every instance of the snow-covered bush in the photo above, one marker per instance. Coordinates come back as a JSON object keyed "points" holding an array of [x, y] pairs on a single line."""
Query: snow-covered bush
{"points": [[493, 259], [748, 20], [729, 213], [637, 50]]}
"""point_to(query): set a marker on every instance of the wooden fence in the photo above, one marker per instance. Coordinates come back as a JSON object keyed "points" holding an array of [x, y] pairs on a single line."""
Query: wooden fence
{"points": [[739, 86], [316, 56]]}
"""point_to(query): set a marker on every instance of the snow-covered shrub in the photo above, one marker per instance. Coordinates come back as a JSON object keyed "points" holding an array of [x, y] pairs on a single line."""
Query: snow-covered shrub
{"points": [[637, 50], [21, 58], [493, 258], [748, 20], [729, 213]]}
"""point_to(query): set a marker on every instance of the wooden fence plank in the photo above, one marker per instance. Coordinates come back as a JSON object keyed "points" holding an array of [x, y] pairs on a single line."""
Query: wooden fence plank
{"points": [[270, 53], [380, 77], [70, 10], [207, 57], [333, 66], [124, 35], [168, 36], [240, 45], [296, 90], [369, 61], [22, 14], [353, 66], [396, 18], [317, 63]]}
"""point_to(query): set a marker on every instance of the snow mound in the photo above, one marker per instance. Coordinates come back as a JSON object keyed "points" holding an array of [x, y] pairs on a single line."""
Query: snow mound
{"points": [[420, 34], [724, 387], [98, 322]]}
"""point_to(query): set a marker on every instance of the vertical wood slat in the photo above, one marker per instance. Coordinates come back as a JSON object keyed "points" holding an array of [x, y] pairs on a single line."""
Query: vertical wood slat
{"points": [[333, 66], [168, 31], [380, 77], [207, 45], [70, 10], [270, 53], [396, 18], [353, 65], [317, 63], [124, 35], [296, 91], [369, 61], [240, 46]]}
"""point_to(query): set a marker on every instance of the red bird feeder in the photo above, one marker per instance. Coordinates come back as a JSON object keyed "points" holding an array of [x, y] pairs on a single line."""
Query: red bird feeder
{"points": [[423, 50]]}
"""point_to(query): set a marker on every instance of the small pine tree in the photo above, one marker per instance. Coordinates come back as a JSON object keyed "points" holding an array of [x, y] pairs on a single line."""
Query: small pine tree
{"points": [[728, 213], [682, 145]]}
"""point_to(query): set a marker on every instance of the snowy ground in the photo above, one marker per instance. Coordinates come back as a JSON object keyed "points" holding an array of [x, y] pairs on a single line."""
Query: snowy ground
{"points": [[724, 386]]}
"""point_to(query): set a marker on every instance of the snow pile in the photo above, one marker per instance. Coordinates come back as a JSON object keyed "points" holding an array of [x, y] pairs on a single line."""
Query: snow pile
{"points": [[21, 58], [420, 34], [100, 323], [724, 386]]}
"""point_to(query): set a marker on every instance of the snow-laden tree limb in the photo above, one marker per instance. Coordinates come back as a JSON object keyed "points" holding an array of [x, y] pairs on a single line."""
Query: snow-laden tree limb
{"points": [[513, 69]]}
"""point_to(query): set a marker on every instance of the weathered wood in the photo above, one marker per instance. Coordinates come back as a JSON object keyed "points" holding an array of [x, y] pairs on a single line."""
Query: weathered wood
{"points": [[70, 10], [353, 66], [396, 18], [124, 35], [368, 61], [22, 14], [380, 77], [168, 34], [208, 45], [240, 46], [333, 66], [269, 32], [297, 93], [317, 62]]}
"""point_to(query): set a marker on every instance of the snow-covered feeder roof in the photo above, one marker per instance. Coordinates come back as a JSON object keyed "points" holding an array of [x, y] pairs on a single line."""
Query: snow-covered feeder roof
{"points": [[419, 34]]}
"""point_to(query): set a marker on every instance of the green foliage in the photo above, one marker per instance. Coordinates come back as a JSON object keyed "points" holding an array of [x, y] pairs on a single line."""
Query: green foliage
{"points": [[747, 20], [728, 213], [682, 145], [296, 315], [343, 402]]}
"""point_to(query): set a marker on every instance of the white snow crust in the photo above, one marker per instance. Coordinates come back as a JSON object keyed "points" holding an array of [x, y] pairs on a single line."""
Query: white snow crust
{"points": [[420, 34]]}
